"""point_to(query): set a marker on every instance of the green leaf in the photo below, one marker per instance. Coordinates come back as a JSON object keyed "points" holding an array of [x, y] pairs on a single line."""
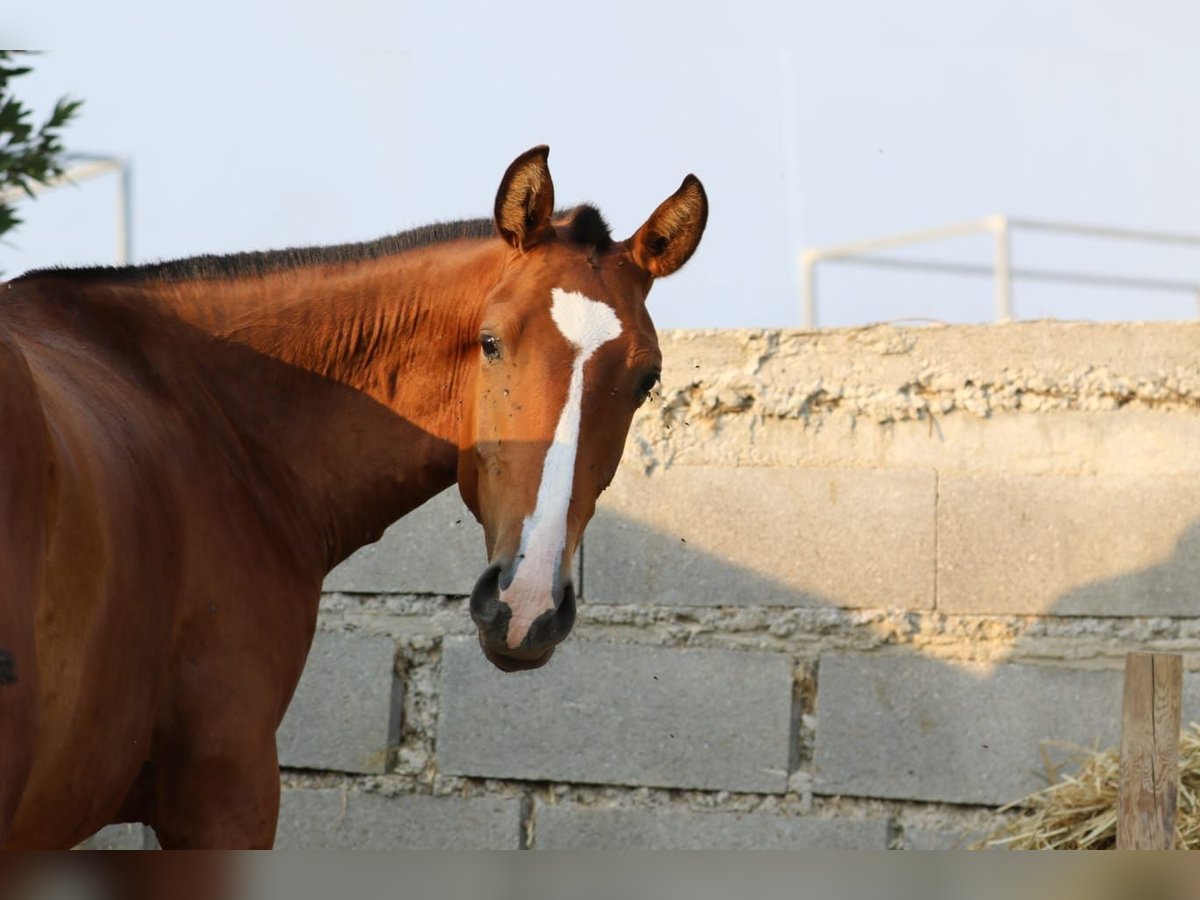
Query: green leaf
{"points": [[29, 153]]}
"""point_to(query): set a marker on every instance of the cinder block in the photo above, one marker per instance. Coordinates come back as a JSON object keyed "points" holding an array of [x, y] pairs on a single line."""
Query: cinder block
{"points": [[346, 710], [613, 714], [436, 549], [1099, 546], [911, 728], [130, 836], [337, 819], [713, 536], [579, 828]]}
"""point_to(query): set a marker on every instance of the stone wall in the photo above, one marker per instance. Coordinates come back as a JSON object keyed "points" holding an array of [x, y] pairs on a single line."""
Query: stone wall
{"points": [[850, 589]]}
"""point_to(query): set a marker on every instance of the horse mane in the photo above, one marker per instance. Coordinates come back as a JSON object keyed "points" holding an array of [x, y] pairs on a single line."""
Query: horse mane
{"points": [[585, 226]]}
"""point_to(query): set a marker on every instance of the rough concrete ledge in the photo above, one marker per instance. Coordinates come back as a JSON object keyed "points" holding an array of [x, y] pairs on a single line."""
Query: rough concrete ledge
{"points": [[888, 373], [726, 395]]}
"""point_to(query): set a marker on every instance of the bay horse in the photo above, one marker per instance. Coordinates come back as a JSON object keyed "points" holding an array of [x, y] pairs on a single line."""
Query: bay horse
{"points": [[187, 448]]}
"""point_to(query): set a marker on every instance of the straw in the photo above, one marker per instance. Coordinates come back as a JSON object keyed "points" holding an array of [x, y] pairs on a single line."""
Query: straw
{"points": [[1079, 811]]}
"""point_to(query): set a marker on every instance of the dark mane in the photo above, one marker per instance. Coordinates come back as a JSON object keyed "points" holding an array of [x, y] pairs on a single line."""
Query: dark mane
{"points": [[585, 226], [265, 262]]}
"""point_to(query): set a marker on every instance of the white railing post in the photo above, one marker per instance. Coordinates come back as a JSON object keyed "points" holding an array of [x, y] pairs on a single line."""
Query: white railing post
{"points": [[83, 167], [1000, 227], [1002, 262], [808, 283], [124, 213]]}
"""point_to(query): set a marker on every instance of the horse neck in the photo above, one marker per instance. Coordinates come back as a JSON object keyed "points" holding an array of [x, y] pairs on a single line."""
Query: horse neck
{"points": [[361, 376]]}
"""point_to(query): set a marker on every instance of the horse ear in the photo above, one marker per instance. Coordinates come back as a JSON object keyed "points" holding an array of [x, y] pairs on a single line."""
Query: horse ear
{"points": [[672, 233], [525, 200]]}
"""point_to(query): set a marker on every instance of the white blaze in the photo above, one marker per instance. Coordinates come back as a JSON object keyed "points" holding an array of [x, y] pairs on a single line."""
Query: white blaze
{"points": [[588, 325]]}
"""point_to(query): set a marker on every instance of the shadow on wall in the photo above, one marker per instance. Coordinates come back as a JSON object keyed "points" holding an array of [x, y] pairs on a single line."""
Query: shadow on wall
{"points": [[709, 695], [760, 560], [711, 536], [912, 726], [1169, 589]]}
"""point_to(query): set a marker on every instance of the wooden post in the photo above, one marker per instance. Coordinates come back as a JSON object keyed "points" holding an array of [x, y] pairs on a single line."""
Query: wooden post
{"points": [[1149, 751]]}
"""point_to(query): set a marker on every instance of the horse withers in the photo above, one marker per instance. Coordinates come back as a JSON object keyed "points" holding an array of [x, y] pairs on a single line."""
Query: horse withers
{"points": [[187, 448]]}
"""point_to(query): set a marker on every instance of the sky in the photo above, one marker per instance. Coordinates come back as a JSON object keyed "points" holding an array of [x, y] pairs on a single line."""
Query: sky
{"points": [[263, 123]]}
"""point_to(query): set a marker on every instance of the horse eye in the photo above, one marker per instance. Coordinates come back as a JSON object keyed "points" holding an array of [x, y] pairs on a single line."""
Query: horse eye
{"points": [[490, 348], [646, 386]]}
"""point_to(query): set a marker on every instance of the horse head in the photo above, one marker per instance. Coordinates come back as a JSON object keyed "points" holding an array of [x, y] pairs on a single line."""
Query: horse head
{"points": [[566, 354]]}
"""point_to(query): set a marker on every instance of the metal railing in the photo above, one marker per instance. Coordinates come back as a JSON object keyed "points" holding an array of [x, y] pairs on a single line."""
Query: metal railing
{"points": [[83, 166], [1001, 229]]}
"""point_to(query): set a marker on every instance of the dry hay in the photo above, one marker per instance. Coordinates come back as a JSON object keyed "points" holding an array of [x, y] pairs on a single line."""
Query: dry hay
{"points": [[1079, 811]]}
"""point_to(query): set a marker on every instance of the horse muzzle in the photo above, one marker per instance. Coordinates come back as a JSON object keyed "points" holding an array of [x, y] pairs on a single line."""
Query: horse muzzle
{"points": [[493, 617]]}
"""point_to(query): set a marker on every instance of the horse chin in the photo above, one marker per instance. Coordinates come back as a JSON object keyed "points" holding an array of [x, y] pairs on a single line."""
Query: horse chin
{"points": [[507, 663]]}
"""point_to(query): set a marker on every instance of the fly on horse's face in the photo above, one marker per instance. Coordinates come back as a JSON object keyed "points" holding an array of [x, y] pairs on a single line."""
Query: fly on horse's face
{"points": [[566, 354]]}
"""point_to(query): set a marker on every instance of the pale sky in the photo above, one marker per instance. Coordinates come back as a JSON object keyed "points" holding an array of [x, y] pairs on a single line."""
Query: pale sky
{"points": [[255, 125]]}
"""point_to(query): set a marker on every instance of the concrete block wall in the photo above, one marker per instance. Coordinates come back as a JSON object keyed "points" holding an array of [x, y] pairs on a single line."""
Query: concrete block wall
{"points": [[850, 589]]}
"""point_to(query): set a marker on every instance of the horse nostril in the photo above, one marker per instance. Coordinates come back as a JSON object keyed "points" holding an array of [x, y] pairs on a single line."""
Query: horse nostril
{"points": [[564, 616], [553, 625], [485, 598]]}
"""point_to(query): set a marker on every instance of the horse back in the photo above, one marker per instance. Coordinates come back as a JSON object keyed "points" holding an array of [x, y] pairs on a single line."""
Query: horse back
{"points": [[153, 575], [24, 488]]}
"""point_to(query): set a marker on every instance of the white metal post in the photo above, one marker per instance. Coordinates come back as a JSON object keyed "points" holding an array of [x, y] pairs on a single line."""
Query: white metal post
{"points": [[808, 282], [124, 213], [87, 166], [1003, 268]]}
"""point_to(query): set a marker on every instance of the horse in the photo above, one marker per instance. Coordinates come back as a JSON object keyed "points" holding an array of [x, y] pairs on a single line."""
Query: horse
{"points": [[188, 447]]}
